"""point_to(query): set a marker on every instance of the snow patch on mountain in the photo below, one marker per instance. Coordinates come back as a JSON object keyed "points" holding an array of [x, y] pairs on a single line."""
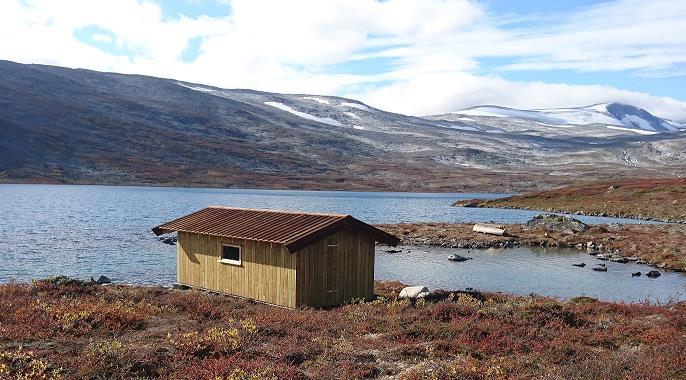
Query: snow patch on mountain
{"points": [[634, 130], [198, 88], [460, 127], [324, 120], [355, 105], [316, 99], [637, 121], [352, 114]]}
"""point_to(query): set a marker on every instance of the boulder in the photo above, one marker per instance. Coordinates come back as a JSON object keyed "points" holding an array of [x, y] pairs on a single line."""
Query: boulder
{"points": [[580, 265], [458, 258], [101, 280], [653, 274], [636, 274], [552, 222], [414, 292]]}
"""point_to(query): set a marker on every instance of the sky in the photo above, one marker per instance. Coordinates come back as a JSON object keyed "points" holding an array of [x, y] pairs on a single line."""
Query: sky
{"points": [[415, 57]]}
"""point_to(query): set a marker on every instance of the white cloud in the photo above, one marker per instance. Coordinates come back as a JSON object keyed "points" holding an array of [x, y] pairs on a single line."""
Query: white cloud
{"points": [[449, 92], [434, 47]]}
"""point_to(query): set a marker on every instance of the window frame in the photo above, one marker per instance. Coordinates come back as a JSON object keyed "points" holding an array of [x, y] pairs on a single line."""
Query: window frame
{"points": [[229, 261]]}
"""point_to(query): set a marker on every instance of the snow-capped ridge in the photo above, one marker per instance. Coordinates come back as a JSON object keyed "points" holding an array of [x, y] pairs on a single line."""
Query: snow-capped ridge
{"points": [[620, 116]]}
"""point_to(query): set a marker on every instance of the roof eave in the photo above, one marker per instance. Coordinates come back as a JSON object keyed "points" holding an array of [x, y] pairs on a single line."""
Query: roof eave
{"points": [[159, 230]]}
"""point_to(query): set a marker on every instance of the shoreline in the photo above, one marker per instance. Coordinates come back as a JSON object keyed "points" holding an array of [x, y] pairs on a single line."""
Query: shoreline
{"points": [[657, 245], [476, 204]]}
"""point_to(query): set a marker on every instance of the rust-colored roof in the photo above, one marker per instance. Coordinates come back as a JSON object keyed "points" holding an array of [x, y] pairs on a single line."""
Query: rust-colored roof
{"points": [[293, 229]]}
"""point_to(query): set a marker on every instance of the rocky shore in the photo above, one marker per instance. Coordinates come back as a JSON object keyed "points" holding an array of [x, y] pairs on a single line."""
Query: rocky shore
{"points": [[476, 204], [662, 246]]}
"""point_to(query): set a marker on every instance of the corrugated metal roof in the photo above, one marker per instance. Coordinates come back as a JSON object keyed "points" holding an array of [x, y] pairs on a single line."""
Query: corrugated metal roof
{"points": [[293, 229]]}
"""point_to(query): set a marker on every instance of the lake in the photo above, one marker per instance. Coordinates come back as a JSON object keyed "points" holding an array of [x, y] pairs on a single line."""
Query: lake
{"points": [[82, 231], [544, 271]]}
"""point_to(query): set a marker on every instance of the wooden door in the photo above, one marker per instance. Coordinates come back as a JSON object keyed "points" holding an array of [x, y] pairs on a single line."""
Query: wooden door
{"points": [[331, 284]]}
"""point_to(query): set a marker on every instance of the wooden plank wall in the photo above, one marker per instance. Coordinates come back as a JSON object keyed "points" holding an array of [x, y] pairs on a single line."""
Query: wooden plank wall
{"points": [[267, 271], [347, 270]]}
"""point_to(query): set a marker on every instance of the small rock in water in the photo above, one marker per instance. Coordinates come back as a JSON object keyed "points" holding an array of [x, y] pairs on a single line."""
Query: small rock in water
{"points": [[653, 274], [603, 256], [580, 265], [171, 240], [600, 269], [393, 251], [636, 274], [622, 260], [458, 258]]}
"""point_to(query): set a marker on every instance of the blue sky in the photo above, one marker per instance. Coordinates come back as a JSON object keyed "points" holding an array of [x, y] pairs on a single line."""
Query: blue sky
{"points": [[172, 9], [410, 56]]}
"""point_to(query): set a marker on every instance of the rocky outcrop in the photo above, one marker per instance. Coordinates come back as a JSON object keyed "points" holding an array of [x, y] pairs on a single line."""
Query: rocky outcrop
{"points": [[552, 222]]}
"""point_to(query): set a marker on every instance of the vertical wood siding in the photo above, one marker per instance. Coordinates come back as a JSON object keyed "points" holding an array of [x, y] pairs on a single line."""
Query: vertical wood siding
{"points": [[333, 275], [332, 271], [266, 272]]}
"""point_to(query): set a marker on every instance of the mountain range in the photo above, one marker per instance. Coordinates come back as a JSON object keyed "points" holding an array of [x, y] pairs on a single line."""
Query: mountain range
{"points": [[63, 125]]}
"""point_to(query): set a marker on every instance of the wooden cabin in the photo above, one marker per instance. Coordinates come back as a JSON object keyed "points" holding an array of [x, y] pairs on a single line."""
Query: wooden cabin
{"points": [[285, 258]]}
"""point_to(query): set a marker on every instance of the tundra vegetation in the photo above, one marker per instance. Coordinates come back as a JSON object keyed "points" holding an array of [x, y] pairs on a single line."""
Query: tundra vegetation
{"points": [[62, 328], [661, 199]]}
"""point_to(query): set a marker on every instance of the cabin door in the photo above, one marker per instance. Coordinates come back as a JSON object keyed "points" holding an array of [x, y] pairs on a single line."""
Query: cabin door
{"points": [[331, 283]]}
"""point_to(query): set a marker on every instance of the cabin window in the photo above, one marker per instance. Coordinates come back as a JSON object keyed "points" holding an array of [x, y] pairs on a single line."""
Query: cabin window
{"points": [[231, 254]]}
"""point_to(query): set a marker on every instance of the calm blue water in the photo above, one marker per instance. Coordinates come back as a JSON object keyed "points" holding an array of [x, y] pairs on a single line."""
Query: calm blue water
{"points": [[525, 270], [81, 231]]}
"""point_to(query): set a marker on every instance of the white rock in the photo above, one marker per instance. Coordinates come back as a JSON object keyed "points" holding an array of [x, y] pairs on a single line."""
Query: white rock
{"points": [[414, 292]]}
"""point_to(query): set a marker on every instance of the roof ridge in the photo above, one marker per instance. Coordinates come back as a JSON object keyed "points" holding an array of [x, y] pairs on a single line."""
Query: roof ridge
{"points": [[279, 211], [294, 229]]}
